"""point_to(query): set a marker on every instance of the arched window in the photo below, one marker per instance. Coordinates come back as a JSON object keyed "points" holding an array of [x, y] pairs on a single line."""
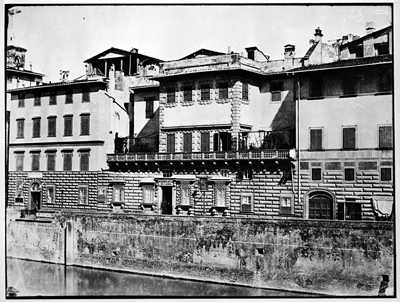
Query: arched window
{"points": [[320, 206]]}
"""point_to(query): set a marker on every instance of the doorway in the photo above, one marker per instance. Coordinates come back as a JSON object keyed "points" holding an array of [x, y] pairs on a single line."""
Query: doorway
{"points": [[166, 202], [35, 202]]}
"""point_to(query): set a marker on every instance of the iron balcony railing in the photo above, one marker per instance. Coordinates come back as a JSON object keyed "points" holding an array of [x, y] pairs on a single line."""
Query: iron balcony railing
{"points": [[204, 156]]}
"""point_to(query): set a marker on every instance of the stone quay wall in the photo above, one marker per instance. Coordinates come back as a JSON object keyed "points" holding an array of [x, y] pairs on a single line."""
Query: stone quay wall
{"points": [[329, 257]]}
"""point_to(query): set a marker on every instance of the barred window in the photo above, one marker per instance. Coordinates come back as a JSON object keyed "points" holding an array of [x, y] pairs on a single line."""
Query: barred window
{"points": [[51, 194], [219, 193], [148, 193], [286, 204], [246, 203]]}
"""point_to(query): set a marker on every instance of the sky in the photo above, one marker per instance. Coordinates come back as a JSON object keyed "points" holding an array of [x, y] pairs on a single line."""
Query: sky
{"points": [[62, 37]]}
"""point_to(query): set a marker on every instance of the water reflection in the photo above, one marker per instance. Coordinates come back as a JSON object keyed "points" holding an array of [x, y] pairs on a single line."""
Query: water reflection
{"points": [[33, 278]]}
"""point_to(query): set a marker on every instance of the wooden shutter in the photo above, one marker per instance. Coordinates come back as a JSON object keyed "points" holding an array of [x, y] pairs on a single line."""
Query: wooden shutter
{"points": [[85, 125], [385, 137], [205, 142], [349, 138], [216, 142], [170, 143], [52, 126], [51, 161], [187, 142], [68, 126], [84, 163], [35, 162], [36, 127], [67, 161], [316, 139]]}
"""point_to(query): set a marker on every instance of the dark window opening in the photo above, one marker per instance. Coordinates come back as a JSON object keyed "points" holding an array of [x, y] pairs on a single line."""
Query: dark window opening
{"points": [[205, 142], [316, 88], [315, 139], [35, 161], [20, 128], [222, 141], [85, 124], [67, 165], [171, 143], [68, 97], [37, 101], [187, 142], [51, 161], [36, 127], [187, 94], [53, 98], [349, 85], [349, 138], [171, 95], [205, 92], [385, 82], [67, 125], [349, 211], [84, 161], [223, 91], [385, 137], [316, 173], [86, 95], [349, 174], [52, 126], [245, 91], [386, 174], [149, 108], [19, 159], [21, 100]]}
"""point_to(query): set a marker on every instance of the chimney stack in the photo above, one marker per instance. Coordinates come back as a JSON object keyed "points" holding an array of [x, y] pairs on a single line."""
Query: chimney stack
{"points": [[370, 27], [345, 39], [229, 50], [288, 56], [318, 34], [134, 50]]}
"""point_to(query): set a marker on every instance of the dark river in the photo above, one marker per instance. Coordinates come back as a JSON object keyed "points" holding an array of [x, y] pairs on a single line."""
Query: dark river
{"points": [[33, 279]]}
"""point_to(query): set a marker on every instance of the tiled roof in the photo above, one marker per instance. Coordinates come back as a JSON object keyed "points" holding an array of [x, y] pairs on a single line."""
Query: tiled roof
{"points": [[9, 69], [349, 62]]}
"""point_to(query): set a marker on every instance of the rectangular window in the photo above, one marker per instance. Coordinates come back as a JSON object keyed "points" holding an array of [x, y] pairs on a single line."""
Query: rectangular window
{"points": [[205, 141], [286, 203], [219, 193], [185, 192], [21, 100], [102, 194], [171, 95], [37, 101], [246, 203], [349, 138], [385, 82], [316, 174], [118, 193], [385, 137], [386, 174], [67, 158], [51, 122], [83, 192], [167, 171], [349, 174], [148, 193], [187, 142], [149, 108], [53, 98], [349, 211], [68, 125], [276, 91], [187, 94], [171, 143], [316, 87], [86, 95], [245, 91], [84, 161], [315, 139], [51, 161], [20, 128], [36, 127], [51, 194], [223, 91], [19, 190], [349, 85], [68, 97], [224, 172], [35, 161], [19, 162], [85, 124], [205, 92]]}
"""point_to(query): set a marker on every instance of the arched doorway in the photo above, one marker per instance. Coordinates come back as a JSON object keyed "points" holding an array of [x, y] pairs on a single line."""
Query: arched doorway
{"points": [[320, 205], [35, 196]]}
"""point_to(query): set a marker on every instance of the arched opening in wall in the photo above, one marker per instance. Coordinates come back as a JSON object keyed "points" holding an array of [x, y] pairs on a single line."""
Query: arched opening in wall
{"points": [[35, 196], [321, 205]]}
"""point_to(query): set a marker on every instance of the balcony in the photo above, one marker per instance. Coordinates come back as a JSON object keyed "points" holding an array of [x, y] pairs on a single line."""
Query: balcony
{"points": [[201, 156]]}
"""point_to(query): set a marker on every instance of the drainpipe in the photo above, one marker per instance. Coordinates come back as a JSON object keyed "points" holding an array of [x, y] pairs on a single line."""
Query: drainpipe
{"points": [[298, 139]]}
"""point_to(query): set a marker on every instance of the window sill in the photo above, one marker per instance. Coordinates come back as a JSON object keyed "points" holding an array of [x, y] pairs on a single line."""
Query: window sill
{"points": [[316, 150], [384, 93], [348, 95], [315, 98]]}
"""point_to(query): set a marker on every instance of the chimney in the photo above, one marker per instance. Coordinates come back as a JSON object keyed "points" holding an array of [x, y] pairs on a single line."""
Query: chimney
{"points": [[229, 50], [134, 50], [370, 27], [345, 39], [318, 34], [288, 56], [311, 42]]}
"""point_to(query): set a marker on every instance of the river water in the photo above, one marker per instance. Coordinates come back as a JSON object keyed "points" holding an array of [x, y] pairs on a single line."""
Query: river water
{"points": [[32, 279]]}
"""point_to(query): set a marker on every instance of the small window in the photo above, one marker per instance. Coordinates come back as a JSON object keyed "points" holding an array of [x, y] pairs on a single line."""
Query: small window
{"points": [[84, 161], [223, 90], [246, 203], [37, 101], [385, 137], [20, 128], [171, 143], [102, 194], [276, 89], [349, 211], [349, 174], [316, 87], [349, 85], [83, 194], [86, 95], [386, 174], [316, 173], [149, 108], [67, 158], [51, 161], [53, 98], [36, 127], [245, 91], [349, 138], [68, 125], [315, 139], [51, 194], [286, 203], [118, 193], [187, 94], [148, 193], [171, 95], [35, 161], [205, 92], [85, 124], [21, 100], [19, 162], [19, 190], [69, 97], [52, 122]]}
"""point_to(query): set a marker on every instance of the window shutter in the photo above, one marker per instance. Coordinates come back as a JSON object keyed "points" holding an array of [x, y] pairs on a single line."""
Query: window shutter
{"points": [[51, 161], [187, 142], [170, 143], [349, 138], [315, 139], [205, 142], [385, 137], [84, 161]]}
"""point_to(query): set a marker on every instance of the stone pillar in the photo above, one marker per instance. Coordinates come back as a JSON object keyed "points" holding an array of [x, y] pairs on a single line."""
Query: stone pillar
{"points": [[235, 115]]}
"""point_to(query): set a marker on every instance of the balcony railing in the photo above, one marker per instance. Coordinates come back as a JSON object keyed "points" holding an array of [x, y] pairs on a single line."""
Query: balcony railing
{"points": [[203, 156]]}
